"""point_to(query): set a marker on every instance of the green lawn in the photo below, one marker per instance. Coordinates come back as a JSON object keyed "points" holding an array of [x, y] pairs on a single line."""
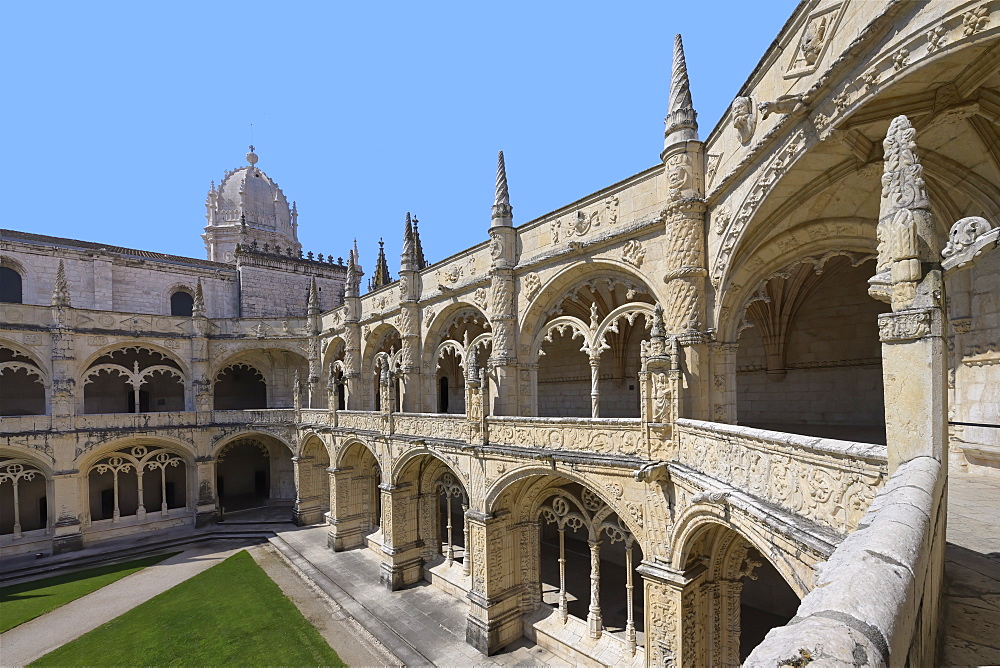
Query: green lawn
{"points": [[23, 602], [231, 614]]}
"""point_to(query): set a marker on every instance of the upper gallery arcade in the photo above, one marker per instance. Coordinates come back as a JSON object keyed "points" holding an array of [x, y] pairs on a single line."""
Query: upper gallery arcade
{"points": [[693, 386]]}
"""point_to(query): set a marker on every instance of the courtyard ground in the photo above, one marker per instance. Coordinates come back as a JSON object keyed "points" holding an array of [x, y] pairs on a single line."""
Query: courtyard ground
{"points": [[230, 614], [21, 603]]}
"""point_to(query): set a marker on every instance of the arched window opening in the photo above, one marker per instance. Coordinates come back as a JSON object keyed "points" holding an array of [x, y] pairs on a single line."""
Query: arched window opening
{"points": [[22, 385], [240, 387], [588, 559], [244, 475], [468, 332], [10, 286], [809, 358], [589, 351], [133, 380], [137, 481], [452, 532], [23, 498], [384, 369], [181, 303]]}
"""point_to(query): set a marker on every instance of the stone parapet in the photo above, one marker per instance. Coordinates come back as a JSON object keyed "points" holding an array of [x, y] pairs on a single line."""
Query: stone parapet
{"points": [[880, 587], [827, 481]]}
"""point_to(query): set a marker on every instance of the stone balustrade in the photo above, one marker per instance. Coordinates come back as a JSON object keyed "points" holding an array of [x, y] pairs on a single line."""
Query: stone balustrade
{"points": [[828, 481], [601, 436], [134, 420], [431, 425], [20, 424], [876, 595], [360, 421], [255, 416]]}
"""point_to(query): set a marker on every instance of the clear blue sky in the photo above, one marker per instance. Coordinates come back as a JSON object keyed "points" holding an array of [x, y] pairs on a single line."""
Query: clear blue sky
{"points": [[118, 115]]}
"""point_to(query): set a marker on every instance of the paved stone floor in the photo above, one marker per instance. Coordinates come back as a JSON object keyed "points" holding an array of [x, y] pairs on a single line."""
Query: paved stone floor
{"points": [[972, 570], [421, 625]]}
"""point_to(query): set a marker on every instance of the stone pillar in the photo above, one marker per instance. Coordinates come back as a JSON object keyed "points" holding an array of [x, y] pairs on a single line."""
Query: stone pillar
{"points": [[66, 493], [203, 490], [402, 558], [664, 619], [503, 308], [347, 526], [908, 277], [495, 616], [409, 321], [683, 216], [594, 621], [64, 391], [352, 334]]}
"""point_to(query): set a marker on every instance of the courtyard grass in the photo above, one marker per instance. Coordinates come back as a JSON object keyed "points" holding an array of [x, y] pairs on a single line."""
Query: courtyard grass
{"points": [[21, 603], [231, 614]]}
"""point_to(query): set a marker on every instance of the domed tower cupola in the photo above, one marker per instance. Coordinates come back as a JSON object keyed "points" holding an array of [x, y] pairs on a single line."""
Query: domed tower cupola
{"points": [[246, 207]]}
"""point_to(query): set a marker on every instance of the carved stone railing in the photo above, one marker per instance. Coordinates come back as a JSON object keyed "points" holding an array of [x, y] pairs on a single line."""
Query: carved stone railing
{"points": [[107, 421], [255, 416], [316, 416], [360, 420], [431, 425], [21, 424], [602, 436], [827, 481], [879, 592]]}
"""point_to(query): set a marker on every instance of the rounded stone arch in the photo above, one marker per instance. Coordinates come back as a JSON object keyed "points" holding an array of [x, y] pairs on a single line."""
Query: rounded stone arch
{"points": [[222, 442], [576, 273], [27, 274], [528, 511], [124, 345], [40, 460], [439, 324], [399, 470], [772, 258], [310, 437], [702, 517], [25, 383], [336, 348], [185, 449], [25, 351], [255, 468], [373, 344], [257, 349], [349, 448], [168, 295], [27, 506]]}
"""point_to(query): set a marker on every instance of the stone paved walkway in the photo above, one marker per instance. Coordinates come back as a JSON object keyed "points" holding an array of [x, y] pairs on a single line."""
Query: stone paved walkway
{"points": [[32, 640], [972, 570], [421, 625]]}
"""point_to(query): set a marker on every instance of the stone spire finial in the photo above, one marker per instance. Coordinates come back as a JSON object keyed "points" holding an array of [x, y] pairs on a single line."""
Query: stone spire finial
{"points": [[198, 307], [381, 276], [681, 121], [251, 156], [60, 293], [502, 210], [313, 303], [906, 231], [418, 247], [408, 258], [353, 282], [357, 257]]}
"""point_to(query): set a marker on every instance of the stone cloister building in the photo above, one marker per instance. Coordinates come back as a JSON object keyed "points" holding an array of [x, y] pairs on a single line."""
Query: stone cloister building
{"points": [[711, 402]]}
